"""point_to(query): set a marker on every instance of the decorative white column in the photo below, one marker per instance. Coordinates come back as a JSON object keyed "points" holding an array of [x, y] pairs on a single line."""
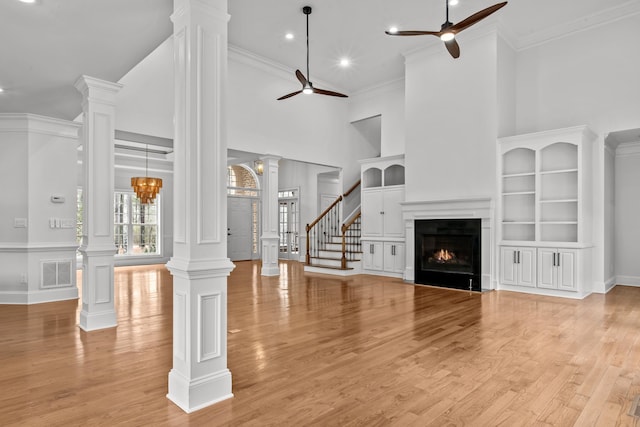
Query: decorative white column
{"points": [[270, 236], [97, 248], [199, 265]]}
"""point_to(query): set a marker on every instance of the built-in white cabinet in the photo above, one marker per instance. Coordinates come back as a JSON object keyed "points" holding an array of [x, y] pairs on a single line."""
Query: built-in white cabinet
{"points": [[544, 203], [381, 212], [557, 268], [382, 226], [518, 266], [372, 256], [393, 258]]}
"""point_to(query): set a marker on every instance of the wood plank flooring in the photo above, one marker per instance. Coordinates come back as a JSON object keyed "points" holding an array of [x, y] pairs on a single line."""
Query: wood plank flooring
{"points": [[314, 350]]}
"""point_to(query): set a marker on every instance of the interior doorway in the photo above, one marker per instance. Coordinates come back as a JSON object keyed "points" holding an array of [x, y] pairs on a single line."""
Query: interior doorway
{"points": [[289, 223]]}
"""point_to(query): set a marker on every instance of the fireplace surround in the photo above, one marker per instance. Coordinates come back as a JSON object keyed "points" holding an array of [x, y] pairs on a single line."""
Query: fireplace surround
{"points": [[481, 208], [448, 253]]}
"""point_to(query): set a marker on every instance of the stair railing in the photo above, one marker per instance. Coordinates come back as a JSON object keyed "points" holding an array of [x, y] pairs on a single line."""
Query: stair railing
{"points": [[322, 229], [351, 239], [328, 225]]}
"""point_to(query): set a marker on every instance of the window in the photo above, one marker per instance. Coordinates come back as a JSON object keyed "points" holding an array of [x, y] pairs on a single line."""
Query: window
{"points": [[135, 225], [241, 182]]}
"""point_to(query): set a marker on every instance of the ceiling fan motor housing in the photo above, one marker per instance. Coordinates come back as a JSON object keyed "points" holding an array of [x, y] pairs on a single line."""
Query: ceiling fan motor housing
{"points": [[306, 10]]}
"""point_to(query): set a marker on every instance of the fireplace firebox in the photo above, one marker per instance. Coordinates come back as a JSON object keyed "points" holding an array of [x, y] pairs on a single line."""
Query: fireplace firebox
{"points": [[447, 253]]}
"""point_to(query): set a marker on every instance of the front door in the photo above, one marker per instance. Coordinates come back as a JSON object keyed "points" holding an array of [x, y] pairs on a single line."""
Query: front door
{"points": [[239, 243]]}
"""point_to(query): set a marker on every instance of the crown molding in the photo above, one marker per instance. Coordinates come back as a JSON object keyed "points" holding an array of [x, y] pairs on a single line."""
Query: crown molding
{"points": [[628, 149], [274, 68], [588, 22]]}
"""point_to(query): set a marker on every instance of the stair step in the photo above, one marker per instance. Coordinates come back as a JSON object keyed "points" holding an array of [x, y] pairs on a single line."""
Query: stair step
{"points": [[331, 267], [329, 262]]}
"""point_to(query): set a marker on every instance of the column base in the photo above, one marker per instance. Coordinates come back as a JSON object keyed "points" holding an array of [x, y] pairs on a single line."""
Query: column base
{"points": [[270, 270], [197, 394], [270, 252], [95, 321]]}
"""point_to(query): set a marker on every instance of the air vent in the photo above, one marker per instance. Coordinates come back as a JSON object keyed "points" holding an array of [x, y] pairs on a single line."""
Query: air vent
{"points": [[56, 273]]}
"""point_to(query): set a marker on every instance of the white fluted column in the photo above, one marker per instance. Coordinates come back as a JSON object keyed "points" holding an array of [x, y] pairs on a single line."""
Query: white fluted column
{"points": [[97, 248], [199, 265], [270, 234]]}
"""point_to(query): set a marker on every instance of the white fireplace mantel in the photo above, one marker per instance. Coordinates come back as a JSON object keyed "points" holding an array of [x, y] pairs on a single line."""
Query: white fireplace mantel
{"points": [[482, 208]]}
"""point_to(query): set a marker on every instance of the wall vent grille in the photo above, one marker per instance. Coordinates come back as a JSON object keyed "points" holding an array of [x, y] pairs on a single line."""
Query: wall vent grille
{"points": [[56, 273]]}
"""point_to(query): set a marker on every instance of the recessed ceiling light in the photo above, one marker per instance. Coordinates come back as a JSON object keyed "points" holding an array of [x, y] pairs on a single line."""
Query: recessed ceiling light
{"points": [[288, 36], [1, 90], [344, 62], [28, 1], [393, 30], [453, 2]]}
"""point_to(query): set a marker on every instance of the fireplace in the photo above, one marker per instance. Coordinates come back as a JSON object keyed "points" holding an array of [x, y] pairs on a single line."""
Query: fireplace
{"points": [[447, 253]]}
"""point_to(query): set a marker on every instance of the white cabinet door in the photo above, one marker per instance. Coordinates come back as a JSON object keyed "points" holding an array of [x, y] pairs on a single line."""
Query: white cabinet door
{"points": [[566, 269], [557, 269], [547, 268], [393, 257], [392, 216], [372, 217], [508, 270], [518, 266], [372, 257], [527, 267]]}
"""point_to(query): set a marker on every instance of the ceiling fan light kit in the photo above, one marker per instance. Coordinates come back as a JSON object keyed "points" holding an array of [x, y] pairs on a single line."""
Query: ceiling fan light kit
{"points": [[307, 86], [448, 30]]}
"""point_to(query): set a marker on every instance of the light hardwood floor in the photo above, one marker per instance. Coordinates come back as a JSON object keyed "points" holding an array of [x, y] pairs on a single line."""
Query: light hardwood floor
{"points": [[317, 350]]}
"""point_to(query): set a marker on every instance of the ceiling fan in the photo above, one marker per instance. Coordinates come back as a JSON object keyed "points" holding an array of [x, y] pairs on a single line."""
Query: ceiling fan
{"points": [[307, 86], [448, 30]]}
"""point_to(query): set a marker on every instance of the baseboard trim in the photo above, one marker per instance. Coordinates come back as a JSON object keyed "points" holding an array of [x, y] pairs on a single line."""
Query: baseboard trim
{"points": [[38, 297], [628, 280]]}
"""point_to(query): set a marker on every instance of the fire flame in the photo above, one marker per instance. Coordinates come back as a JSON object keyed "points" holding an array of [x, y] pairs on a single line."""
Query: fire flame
{"points": [[444, 255]]}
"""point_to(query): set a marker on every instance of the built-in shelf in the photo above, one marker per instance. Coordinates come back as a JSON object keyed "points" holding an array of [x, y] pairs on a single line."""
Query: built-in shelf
{"points": [[516, 193], [544, 211]]}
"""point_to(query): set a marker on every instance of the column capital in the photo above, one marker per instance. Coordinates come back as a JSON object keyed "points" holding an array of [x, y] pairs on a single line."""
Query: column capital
{"points": [[91, 87], [271, 158]]}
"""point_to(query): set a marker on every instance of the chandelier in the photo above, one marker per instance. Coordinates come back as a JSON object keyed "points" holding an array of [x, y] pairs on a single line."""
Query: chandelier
{"points": [[145, 187]]}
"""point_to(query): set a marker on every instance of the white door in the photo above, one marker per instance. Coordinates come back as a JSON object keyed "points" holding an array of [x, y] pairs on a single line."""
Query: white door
{"points": [[288, 229], [392, 216], [566, 265], [527, 267], [372, 213], [239, 228], [508, 270], [547, 268]]}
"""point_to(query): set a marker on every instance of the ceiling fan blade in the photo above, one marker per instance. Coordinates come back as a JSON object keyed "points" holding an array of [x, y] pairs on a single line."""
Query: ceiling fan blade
{"points": [[453, 47], [289, 95], [465, 23], [328, 92], [301, 78], [413, 33]]}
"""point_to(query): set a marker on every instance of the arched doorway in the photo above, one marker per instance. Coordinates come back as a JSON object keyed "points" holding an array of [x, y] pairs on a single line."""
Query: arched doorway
{"points": [[243, 213]]}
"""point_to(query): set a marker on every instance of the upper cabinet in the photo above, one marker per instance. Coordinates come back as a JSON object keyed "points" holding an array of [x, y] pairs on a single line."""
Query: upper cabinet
{"points": [[545, 187], [382, 172], [382, 193]]}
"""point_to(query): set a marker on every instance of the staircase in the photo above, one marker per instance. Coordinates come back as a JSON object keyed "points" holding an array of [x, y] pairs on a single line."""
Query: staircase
{"points": [[333, 245]]}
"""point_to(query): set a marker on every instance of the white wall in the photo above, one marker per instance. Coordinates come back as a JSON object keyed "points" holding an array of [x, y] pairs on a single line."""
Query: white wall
{"points": [[386, 101], [590, 77], [452, 122], [627, 199], [37, 161], [303, 176]]}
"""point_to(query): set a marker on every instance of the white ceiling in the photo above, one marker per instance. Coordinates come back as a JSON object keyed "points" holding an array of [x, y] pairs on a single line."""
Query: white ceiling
{"points": [[47, 46]]}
